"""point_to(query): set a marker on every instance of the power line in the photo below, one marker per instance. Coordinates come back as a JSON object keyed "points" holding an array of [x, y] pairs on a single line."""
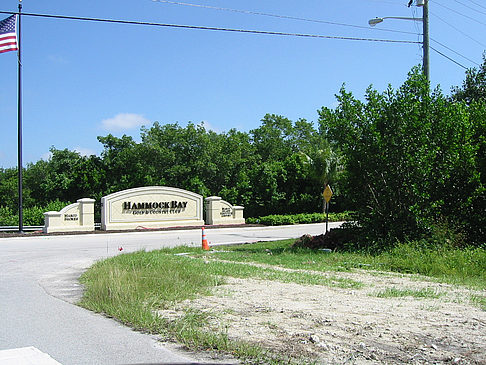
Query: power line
{"points": [[475, 3], [450, 59], [249, 12], [459, 30], [197, 27], [457, 53], [470, 7], [455, 11]]}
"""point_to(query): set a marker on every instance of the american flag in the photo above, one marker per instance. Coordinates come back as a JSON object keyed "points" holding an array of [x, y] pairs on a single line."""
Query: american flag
{"points": [[8, 35]]}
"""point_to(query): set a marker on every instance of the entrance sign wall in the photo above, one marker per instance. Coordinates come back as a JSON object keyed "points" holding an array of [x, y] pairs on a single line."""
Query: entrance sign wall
{"points": [[75, 217], [219, 211], [151, 207]]}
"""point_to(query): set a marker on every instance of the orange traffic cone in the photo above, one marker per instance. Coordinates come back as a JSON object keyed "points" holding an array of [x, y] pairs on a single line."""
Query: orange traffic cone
{"points": [[205, 245]]}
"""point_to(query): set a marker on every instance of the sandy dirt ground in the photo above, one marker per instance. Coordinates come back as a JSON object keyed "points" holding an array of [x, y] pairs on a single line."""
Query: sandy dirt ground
{"points": [[342, 326]]}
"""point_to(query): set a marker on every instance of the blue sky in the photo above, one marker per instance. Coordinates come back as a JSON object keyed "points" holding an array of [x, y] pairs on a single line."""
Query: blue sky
{"points": [[84, 79]]}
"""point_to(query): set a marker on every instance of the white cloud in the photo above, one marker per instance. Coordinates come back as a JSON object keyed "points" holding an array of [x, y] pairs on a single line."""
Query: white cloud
{"points": [[209, 127], [124, 121], [86, 152], [47, 156], [57, 59]]}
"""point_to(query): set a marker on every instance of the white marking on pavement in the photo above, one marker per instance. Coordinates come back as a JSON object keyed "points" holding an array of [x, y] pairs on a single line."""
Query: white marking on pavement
{"points": [[26, 356]]}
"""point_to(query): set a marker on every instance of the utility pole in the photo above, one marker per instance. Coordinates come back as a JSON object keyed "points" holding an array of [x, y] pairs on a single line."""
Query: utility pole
{"points": [[425, 17], [425, 36]]}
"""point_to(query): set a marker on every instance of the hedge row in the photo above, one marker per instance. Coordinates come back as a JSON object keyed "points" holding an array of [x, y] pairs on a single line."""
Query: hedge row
{"points": [[278, 220]]}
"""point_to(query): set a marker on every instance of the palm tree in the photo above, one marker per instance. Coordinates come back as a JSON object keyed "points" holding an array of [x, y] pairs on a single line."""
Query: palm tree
{"points": [[325, 164]]}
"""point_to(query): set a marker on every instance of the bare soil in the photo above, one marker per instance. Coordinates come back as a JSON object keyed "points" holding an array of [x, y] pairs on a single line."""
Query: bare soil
{"points": [[341, 326]]}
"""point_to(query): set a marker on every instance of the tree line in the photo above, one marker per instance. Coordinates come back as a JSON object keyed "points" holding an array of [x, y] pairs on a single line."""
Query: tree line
{"points": [[271, 169], [404, 160]]}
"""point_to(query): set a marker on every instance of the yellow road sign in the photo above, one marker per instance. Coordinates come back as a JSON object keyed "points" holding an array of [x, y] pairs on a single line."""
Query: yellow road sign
{"points": [[327, 194]]}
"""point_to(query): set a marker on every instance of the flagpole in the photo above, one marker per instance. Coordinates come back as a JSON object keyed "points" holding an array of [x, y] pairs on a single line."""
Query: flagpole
{"points": [[19, 119]]}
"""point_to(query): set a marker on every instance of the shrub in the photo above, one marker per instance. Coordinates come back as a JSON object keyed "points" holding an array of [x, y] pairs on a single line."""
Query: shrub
{"points": [[411, 162], [32, 216], [7, 217]]}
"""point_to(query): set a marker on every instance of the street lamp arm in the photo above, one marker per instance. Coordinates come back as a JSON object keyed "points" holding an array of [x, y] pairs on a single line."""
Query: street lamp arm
{"points": [[377, 20], [403, 18]]}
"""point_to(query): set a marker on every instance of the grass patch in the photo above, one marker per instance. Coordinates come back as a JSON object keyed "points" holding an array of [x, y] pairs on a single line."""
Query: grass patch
{"points": [[130, 287], [478, 301], [455, 266], [425, 293], [241, 270]]}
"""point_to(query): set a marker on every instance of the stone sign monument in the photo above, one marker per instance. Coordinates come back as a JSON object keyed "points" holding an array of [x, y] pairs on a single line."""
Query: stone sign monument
{"points": [[219, 211], [75, 217], [151, 207]]}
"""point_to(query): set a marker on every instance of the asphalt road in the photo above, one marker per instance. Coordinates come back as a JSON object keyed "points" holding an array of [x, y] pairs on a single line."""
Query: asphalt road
{"points": [[38, 289]]}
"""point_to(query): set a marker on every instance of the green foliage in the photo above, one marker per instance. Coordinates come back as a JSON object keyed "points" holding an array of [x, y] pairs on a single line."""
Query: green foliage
{"points": [[465, 266], [411, 161], [415, 293], [302, 218], [266, 170], [8, 189], [67, 176], [283, 179], [142, 278], [479, 301], [474, 86], [33, 216], [7, 217]]}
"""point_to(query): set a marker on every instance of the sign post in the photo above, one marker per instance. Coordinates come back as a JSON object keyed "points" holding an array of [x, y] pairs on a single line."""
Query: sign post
{"points": [[327, 194]]}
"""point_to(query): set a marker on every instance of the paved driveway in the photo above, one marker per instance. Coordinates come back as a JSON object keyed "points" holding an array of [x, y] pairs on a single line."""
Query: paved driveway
{"points": [[38, 286]]}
